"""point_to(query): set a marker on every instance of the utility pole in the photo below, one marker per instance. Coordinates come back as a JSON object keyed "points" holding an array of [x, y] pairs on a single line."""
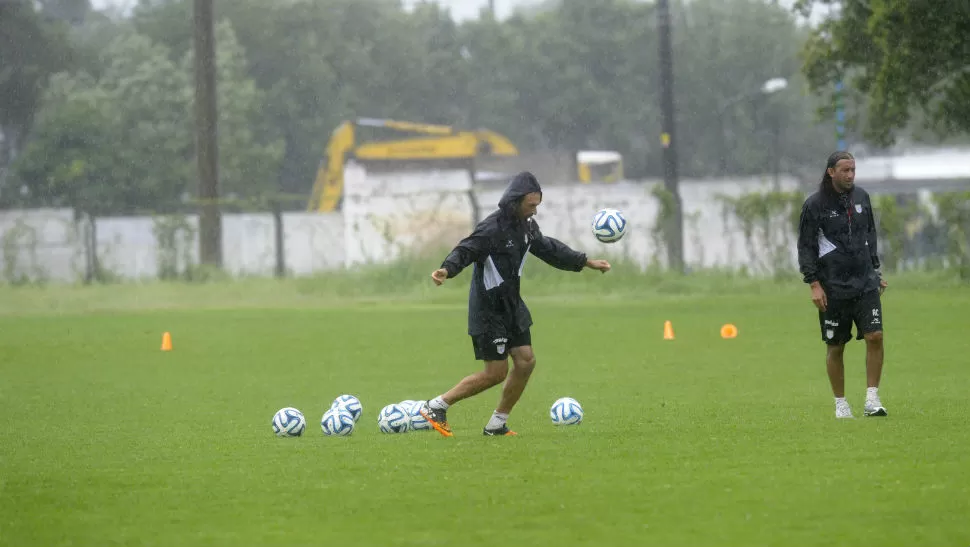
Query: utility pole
{"points": [[207, 149], [675, 230]]}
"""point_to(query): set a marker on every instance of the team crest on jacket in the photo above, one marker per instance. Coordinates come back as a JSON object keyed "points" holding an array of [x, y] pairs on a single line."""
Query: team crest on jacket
{"points": [[858, 207]]}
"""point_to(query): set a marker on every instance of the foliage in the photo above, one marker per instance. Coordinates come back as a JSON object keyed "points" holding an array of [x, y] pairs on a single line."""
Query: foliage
{"points": [[140, 99], [31, 49], [954, 213], [769, 221], [894, 223], [248, 161], [901, 55], [660, 232], [174, 236], [143, 99], [14, 243], [579, 74]]}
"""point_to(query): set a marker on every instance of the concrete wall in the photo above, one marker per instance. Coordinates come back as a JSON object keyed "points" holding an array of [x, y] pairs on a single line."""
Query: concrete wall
{"points": [[384, 217]]}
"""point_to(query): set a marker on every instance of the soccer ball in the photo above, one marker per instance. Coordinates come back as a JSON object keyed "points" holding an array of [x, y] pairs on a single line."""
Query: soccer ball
{"points": [[394, 419], [337, 421], [408, 403], [288, 422], [418, 422], [609, 225], [351, 403], [566, 411]]}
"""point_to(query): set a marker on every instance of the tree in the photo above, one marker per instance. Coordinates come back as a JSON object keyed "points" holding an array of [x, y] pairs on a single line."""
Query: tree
{"points": [[31, 49], [249, 152], [123, 141], [115, 144], [903, 55]]}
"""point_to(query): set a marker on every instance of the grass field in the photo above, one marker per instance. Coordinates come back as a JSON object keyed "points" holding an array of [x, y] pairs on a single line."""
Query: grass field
{"points": [[695, 441]]}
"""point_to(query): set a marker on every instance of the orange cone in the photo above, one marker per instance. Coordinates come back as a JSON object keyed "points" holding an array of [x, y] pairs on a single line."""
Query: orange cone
{"points": [[668, 330], [729, 331], [167, 342]]}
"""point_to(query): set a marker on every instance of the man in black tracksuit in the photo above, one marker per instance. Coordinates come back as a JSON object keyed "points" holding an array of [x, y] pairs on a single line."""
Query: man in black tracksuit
{"points": [[498, 319], [837, 255]]}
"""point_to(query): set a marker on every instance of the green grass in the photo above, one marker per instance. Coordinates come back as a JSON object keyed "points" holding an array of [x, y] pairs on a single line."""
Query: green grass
{"points": [[695, 441]]}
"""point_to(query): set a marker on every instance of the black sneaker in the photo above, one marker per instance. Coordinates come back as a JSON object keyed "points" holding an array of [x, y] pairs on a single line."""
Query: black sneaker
{"points": [[437, 417], [503, 431]]}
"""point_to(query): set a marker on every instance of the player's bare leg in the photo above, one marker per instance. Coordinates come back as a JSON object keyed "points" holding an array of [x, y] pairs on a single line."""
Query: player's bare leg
{"points": [[523, 363], [435, 411], [874, 360], [835, 366]]}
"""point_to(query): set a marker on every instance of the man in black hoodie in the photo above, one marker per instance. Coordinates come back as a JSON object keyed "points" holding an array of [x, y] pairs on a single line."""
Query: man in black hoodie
{"points": [[837, 256], [498, 319]]}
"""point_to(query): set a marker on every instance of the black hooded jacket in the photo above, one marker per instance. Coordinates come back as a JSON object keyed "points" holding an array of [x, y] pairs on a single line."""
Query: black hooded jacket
{"points": [[837, 243], [498, 248]]}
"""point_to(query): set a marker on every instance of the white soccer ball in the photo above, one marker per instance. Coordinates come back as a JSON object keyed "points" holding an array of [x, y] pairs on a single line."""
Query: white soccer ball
{"points": [[418, 422], [288, 422], [337, 421], [566, 411], [609, 225], [408, 403], [394, 419], [351, 403]]}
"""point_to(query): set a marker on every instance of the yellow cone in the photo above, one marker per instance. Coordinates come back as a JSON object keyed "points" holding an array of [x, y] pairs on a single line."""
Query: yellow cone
{"points": [[167, 342]]}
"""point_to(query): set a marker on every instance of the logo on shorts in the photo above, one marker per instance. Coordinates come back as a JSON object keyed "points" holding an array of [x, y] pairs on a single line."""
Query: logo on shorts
{"points": [[858, 208], [875, 316], [830, 323], [830, 334], [510, 244], [500, 344]]}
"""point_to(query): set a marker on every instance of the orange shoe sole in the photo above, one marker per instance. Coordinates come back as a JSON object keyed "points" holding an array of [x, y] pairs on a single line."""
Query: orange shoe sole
{"points": [[444, 432]]}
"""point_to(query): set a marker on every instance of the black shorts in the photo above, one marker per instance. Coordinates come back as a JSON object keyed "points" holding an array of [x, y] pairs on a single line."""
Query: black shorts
{"points": [[836, 321], [497, 349]]}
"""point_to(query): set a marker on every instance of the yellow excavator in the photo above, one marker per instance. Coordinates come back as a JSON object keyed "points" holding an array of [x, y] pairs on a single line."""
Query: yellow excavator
{"points": [[437, 144]]}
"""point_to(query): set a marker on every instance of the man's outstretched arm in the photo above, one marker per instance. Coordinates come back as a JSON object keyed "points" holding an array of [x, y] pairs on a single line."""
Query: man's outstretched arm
{"points": [[468, 251]]}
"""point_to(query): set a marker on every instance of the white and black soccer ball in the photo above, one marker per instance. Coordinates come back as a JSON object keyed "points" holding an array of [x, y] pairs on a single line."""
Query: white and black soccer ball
{"points": [[418, 422], [394, 419], [351, 403], [408, 403], [609, 225], [566, 411], [337, 422], [289, 422]]}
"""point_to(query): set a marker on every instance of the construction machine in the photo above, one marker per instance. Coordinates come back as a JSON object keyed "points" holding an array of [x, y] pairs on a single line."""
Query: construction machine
{"points": [[599, 166], [428, 144]]}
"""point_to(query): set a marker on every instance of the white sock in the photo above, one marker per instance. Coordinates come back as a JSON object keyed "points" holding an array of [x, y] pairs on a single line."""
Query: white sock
{"points": [[872, 393], [438, 403], [497, 421], [840, 400]]}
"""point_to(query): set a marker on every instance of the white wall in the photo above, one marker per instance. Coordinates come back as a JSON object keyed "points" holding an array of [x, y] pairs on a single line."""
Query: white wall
{"points": [[384, 217]]}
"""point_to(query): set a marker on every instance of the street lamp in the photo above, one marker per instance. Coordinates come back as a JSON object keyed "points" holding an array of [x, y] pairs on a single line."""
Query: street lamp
{"points": [[774, 85], [769, 87]]}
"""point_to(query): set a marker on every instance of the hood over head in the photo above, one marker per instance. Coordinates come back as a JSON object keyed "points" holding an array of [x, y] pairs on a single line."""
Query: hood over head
{"points": [[522, 184]]}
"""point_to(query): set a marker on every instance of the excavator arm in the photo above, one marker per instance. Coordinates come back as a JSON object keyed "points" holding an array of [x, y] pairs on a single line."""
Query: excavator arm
{"points": [[437, 143]]}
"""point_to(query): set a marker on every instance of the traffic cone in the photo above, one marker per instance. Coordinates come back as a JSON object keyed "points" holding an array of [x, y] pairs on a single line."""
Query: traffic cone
{"points": [[729, 331], [167, 342], [668, 331]]}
